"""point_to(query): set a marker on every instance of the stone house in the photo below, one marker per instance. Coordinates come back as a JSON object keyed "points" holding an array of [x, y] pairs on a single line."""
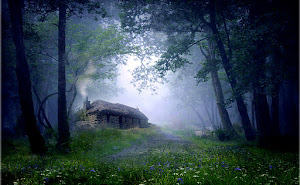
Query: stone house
{"points": [[105, 114]]}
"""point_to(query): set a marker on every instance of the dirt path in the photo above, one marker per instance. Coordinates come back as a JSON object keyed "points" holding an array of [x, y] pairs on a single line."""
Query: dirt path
{"points": [[159, 141]]}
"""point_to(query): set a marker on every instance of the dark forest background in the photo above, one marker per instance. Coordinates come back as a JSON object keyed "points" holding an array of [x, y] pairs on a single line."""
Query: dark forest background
{"points": [[248, 48]]}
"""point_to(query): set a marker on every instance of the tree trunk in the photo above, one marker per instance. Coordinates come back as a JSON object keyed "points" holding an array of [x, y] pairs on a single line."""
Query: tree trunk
{"points": [[220, 100], [261, 104], [225, 120], [275, 116], [36, 140], [275, 95], [288, 90], [262, 113], [253, 113], [228, 69], [63, 125], [262, 118]]}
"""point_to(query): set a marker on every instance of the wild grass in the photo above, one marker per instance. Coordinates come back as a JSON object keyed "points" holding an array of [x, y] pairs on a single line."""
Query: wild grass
{"points": [[200, 161], [19, 166]]}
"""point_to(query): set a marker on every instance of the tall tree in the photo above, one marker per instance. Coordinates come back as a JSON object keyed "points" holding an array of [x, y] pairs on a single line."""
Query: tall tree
{"points": [[261, 52], [37, 142], [63, 126], [228, 69], [64, 7], [263, 118], [285, 97], [213, 69]]}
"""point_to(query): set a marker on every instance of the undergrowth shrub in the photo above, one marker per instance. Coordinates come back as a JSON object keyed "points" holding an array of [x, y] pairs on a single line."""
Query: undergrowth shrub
{"points": [[222, 135], [80, 115], [238, 127]]}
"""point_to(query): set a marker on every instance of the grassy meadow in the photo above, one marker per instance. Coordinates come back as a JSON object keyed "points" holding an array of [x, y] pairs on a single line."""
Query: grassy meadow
{"points": [[148, 157]]}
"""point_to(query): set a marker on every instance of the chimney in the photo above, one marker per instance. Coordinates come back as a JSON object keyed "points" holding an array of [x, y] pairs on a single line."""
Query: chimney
{"points": [[86, 104]]}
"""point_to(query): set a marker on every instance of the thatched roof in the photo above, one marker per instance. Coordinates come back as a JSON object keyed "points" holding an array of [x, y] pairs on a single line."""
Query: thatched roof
{"points": [[104, 107]]}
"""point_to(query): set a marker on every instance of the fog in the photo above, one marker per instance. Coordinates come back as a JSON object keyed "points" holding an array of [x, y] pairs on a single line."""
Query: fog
{"points": [[149, 92], [179, 68], [154, 104], [163, 106]]}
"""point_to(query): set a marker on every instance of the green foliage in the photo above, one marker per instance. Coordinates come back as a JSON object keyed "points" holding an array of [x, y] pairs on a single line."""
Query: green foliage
{"points": [[148, 48], [105, 141], [92, 52], [238, 127], [222, 135], [86, 46], [202, 74], [175, 56], [50, 134], [88, 147], [245, 34], [95, 47], [239, 31], [42, 9]]}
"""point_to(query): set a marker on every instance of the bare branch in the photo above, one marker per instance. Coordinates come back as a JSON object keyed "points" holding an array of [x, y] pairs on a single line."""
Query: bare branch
{"points": [[49, 56], [73, 12], [203, 53], [41, 109]]}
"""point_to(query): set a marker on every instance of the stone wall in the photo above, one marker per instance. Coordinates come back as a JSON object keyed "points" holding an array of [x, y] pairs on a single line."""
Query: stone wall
{"points": [[103, 120], [92, 119]]}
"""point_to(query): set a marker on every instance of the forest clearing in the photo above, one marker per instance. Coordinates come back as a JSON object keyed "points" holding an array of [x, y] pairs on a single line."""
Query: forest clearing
{"points": [[149, 156], [149, 92]]}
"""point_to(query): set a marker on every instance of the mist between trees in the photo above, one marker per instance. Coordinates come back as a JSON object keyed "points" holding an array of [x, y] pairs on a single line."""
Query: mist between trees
{"points": [[230, 66]]}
